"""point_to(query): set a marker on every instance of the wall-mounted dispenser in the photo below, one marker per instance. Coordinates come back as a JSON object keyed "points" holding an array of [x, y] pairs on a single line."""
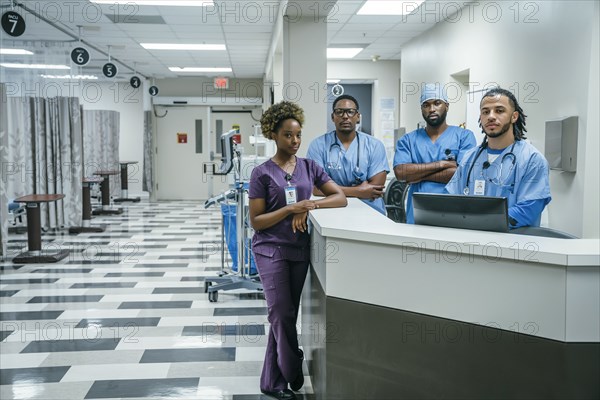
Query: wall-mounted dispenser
{"points": [[561, 143]]}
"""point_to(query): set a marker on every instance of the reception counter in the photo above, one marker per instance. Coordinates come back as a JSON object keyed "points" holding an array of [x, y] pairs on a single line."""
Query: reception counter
{"points": [[395, 311]]}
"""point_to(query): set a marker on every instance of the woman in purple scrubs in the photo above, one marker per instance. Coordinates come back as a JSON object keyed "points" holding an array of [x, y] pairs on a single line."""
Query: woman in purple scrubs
{"points": [[279, 194]]}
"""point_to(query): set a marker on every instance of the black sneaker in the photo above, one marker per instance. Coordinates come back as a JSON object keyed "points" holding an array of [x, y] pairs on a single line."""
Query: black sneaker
{"points": [[299, 381], [284, 394]]}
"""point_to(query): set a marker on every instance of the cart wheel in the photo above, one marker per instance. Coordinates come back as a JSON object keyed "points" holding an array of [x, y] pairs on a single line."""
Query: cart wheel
{"points": [[213, 296], [207, 284]]}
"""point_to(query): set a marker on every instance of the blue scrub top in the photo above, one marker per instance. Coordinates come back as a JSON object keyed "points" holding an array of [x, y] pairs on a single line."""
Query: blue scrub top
{"points": [[342, 165], [417, 148], [525, 181]]}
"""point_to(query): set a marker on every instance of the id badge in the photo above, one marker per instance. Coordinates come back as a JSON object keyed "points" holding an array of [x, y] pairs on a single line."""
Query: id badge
{"points": [[479, 187], [290, 195]]}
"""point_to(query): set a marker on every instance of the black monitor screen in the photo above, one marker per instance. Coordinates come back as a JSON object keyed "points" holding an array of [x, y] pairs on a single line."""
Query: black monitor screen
{"points": [[466, 212], [227, 151]]}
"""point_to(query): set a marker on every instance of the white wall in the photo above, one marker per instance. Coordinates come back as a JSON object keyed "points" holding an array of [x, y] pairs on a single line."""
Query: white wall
{"points": [[305, 39], [592, 188], [544, 54], [129, 103]]}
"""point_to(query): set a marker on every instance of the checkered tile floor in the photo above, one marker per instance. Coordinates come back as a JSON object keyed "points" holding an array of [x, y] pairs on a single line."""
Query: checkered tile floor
{"points": [[125, 316]]}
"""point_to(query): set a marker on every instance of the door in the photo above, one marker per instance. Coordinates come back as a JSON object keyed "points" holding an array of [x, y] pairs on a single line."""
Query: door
{"points": [[182, 149]]}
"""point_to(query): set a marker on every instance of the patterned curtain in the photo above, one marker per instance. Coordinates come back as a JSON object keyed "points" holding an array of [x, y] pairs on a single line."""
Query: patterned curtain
{"points": [[101, 144], [147, 177], [44, 153], [4, 164]]}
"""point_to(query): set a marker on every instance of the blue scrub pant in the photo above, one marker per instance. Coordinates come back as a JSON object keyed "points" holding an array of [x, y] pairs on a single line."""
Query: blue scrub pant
{"points": [[282, 284]]}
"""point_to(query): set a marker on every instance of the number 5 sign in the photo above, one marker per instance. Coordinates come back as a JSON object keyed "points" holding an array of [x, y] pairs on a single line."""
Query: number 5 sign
{"points": [[109, 70]]}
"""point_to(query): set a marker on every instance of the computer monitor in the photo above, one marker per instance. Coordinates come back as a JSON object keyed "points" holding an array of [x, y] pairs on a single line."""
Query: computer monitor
{"points": [[227, 151], [465, 212]]}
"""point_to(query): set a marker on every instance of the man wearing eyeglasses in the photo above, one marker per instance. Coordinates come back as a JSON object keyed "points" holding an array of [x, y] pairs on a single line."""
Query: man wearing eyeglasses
{"points": [[428, 157], [356, 161]]}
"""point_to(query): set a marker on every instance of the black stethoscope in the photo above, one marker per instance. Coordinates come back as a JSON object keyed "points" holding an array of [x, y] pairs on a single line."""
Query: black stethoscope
{"points": [[487, 164], [356, 171]]}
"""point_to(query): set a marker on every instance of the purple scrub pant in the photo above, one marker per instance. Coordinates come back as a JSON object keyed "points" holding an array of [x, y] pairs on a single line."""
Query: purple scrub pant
{"points": [[282, 281]]}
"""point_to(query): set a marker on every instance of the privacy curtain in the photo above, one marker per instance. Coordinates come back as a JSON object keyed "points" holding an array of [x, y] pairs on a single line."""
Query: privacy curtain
{"points": [[148, 177], [3, 164], [45, 155], [101, 144]]}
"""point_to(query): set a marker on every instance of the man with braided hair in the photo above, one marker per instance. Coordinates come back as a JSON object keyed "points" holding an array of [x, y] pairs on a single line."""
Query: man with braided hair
{"points": [[505, 165]]}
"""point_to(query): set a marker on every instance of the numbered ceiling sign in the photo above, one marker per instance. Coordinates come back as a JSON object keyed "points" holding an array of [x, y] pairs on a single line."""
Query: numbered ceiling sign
{"points": [[135, 82], [109, 70], [80, 56], [153, 90], [337, 90], [13, 23]]}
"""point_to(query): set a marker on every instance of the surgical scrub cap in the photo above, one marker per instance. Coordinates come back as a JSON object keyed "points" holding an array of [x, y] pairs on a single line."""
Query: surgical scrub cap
{"points": [[433, 91]]}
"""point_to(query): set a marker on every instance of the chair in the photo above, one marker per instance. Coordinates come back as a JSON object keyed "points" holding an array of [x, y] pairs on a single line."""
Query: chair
{"points": [[395, 200], [540, 231], [17, 213]]}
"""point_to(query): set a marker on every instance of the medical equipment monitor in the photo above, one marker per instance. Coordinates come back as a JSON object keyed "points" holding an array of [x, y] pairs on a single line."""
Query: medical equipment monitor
{"points": [[457, 211], [227, 151]]}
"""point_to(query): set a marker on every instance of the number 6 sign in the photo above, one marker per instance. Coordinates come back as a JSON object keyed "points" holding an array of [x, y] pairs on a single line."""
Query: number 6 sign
{"points": [[80, 56]]}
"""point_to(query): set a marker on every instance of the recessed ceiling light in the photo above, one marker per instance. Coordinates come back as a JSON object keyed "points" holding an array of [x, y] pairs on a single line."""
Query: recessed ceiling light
{"points": [[179, 46], [82, 77], [34, 66], [18, 52], [389, 7], [182, 3], [198, 69], [343, 52]]}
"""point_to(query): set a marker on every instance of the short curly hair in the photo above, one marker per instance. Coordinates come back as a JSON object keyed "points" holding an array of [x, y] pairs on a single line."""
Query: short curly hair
{"points": [[272, 119]]}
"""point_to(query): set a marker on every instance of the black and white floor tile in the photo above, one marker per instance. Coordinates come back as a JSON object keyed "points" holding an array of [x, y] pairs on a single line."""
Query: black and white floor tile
{"points": [[125, 316]]}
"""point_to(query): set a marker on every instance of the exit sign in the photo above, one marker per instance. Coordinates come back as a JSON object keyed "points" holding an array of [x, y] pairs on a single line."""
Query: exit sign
{"points": [[221, 83]]}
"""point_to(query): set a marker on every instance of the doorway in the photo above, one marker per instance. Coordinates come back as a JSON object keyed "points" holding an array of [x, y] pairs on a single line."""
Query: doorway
{"points": [[183, 147]]}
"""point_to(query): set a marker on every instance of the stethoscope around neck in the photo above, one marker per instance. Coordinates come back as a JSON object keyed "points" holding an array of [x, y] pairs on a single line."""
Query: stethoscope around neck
{"points": [[358, 176], [487, 164]]}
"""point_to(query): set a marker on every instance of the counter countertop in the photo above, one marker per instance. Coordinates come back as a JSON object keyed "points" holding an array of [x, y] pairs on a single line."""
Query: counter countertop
{"points": [[360, 222]]}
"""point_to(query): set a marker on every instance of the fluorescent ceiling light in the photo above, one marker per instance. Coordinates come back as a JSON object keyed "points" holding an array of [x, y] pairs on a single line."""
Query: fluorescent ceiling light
{"points": [[17, 52], [389, 7], [34, 66], [182, 3], [196, 69], [179, 46], [82, 77], [343, 52]]}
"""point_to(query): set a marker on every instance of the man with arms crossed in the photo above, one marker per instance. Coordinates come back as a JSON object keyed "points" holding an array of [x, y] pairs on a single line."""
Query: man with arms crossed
{"points": [[356, 161], [427, 157]]}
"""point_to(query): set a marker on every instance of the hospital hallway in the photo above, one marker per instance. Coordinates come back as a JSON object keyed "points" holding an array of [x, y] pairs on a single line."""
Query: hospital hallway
{"points": [[125, 315]]}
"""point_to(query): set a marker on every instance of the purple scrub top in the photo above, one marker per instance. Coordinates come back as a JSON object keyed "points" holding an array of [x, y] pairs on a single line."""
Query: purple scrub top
{"points": [[268, 182]]}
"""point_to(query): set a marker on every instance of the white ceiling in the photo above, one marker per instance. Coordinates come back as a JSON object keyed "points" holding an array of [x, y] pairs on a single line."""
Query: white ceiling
{"points": [[244, 26]]}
